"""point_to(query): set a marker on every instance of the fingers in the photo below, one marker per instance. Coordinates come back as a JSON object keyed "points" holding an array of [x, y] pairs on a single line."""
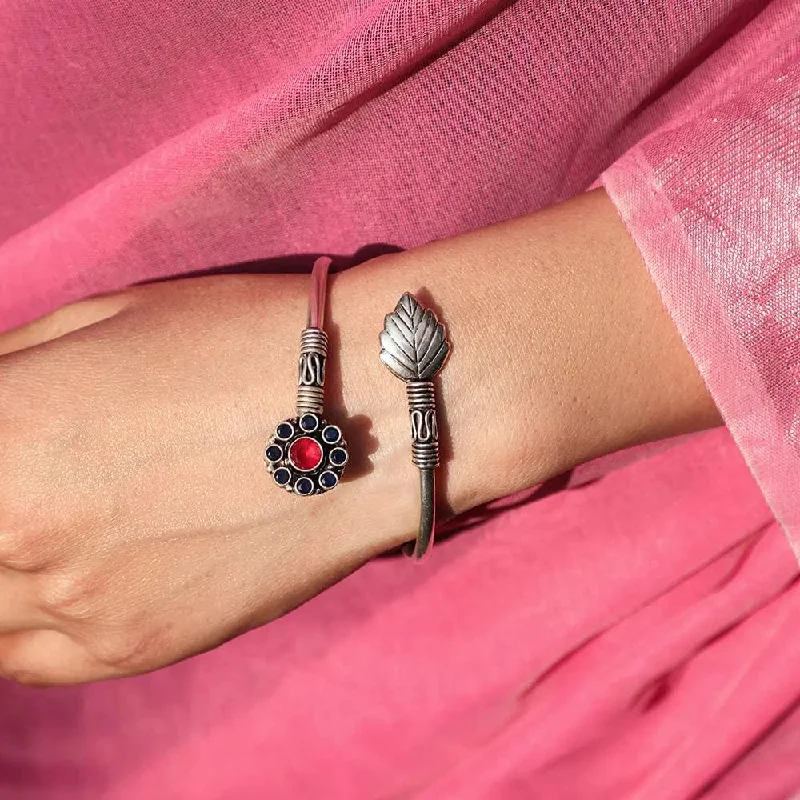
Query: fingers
{"points": [[48, 658], [66, 320], [30, 651], [18, 608]]}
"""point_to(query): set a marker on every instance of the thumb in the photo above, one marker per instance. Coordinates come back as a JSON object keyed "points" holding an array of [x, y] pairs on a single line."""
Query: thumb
{"points": [[63, 321]]}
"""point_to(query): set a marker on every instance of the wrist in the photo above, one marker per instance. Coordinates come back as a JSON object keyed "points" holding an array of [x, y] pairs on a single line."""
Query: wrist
{"points": [[492, 442], [561, 352]]}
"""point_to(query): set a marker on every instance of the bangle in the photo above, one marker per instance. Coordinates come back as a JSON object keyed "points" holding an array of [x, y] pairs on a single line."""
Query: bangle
{"points": [[306, 455], [414, 347]]}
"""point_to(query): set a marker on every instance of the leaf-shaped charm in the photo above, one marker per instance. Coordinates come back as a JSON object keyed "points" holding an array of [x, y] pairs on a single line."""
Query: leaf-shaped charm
{"points": [[413, 343]]}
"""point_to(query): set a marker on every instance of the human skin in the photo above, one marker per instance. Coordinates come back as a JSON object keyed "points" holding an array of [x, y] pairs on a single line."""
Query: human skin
{"points": [[138, 524]]}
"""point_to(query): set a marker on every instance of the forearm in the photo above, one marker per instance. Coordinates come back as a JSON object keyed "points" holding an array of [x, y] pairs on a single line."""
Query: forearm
{"points": [[562, 351]]}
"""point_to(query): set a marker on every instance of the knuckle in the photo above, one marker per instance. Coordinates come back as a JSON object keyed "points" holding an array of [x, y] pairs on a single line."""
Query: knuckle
{"points": [[21, 547], [126, 649], [82, 600], [34, 518], [72, 595], [25, 544]]}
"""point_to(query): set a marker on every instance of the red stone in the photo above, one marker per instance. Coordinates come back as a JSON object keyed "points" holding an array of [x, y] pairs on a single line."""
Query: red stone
{"points": [[305, 453]]}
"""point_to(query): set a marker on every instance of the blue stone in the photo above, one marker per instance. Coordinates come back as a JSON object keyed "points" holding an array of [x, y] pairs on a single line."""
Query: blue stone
{"points": [[338, 456], [331, 434], [308, 422], [282, 476], [274, 453], [284, 430], [304, 486], [328, 480]]}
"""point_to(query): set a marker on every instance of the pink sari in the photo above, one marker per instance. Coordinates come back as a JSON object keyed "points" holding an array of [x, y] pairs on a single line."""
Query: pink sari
{"points": [[636, 636]]}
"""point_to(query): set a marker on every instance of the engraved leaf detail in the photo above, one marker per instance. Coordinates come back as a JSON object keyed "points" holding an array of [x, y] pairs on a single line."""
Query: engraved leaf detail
{"points": [[414, 344]]}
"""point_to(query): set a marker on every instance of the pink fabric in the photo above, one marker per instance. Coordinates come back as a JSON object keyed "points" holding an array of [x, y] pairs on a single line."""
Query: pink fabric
{"points": [[637, 636]]}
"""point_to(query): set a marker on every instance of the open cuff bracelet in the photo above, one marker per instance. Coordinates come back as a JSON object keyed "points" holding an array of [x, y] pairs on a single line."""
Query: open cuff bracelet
{"points": [[306, 455]]}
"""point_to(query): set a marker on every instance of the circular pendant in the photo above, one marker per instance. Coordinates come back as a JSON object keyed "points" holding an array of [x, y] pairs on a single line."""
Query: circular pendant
{"points": [[306, 455]]}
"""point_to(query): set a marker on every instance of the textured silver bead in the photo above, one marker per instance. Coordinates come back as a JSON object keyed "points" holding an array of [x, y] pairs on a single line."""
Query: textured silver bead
{"points": [[311, 371], [424, 430]]}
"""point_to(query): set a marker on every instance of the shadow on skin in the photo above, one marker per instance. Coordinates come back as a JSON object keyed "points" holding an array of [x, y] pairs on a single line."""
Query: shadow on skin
{"points": [[300, 263], [361, 442]]}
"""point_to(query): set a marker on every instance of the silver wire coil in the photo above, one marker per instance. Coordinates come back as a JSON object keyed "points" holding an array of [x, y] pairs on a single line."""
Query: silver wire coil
{"points": [[425, 455], [309, 400], [314, 340]]}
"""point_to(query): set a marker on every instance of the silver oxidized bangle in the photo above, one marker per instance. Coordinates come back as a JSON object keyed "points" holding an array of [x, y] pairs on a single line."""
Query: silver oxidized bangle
{"points": [[305, 454], [414, 347]]}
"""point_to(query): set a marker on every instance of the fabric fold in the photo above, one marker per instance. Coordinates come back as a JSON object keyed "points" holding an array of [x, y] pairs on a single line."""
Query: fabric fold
{"points": [[713, 203]]}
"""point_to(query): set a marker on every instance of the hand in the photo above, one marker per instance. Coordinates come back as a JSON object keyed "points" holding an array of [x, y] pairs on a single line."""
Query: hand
{"points": [[138, 524]]}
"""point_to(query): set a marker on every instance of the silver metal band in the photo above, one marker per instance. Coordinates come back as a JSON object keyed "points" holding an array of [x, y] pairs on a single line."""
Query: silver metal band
{"points": [[314, 344], [414, 347]]}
